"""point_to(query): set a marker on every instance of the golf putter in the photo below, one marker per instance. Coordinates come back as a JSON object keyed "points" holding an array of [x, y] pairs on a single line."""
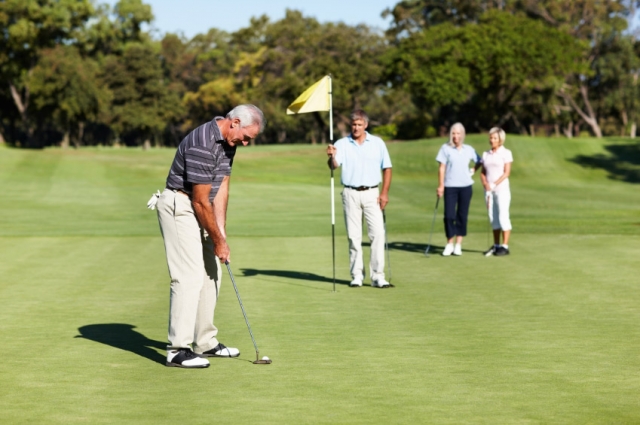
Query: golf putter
{"points": [[489, 204], [386, 245], [433, 222], [264, 360]]}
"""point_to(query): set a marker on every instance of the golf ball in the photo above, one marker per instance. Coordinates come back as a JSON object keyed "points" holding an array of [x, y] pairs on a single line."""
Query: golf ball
{"points": [[265, 358]]}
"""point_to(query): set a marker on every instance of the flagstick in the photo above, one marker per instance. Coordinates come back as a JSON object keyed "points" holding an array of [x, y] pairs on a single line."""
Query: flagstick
{"points": [[333, 206]]}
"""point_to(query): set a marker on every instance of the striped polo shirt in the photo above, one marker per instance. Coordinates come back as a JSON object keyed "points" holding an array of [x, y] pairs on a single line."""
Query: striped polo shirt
{"points": [[203, 157]]}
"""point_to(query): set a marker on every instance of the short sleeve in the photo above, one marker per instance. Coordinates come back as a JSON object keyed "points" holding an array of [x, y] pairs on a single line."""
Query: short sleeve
{"points": [[508, 156], [386, 159], [476, 158], [442, 156]]}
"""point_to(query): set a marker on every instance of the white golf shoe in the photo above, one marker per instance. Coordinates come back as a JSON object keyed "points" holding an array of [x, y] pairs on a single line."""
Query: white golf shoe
{"points": [[356, 282], [380, 283], [221, 350], [448, 250], [457, 250], [185, 358]]}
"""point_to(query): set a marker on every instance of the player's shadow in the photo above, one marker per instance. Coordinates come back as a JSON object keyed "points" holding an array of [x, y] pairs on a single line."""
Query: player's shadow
{"points": [[418, 247], [622, 162], [293, 275], [411, 247], [123, 337]]}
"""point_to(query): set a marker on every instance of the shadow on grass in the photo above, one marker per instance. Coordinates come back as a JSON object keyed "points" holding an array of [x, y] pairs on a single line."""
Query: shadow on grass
{"points": [[420, 247], [293, 275], [622, 163], [122, 336]]}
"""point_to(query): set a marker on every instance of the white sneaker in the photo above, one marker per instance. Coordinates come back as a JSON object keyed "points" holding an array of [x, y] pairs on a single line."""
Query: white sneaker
{"points": [[448, 250], [380, 283], [185, 358], [457, 250], [356, 282]]}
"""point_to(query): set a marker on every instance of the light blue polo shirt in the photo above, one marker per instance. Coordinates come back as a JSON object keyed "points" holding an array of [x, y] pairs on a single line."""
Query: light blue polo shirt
{"points": [[457, 164], [361, 164]]}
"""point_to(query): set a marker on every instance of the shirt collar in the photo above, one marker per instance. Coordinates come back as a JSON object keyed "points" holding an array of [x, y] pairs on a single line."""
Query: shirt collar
{"points": [[216, 134], [366, 137]]}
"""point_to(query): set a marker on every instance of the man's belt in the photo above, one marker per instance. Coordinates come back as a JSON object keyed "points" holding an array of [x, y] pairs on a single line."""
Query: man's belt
{"points": [[179, 191], [361, 188]]}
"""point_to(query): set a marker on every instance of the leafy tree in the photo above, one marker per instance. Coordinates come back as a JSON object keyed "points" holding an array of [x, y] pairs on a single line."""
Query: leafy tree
{"points": [[28, 28], [618, 90], [280, 60], [199, 72], [410, 16], [594, 22], [484, 72], [141, 102], [65, 89]]}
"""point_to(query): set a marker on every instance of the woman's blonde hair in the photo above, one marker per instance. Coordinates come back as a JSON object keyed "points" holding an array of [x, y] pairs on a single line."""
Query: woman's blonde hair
{"points": [[456, 126], [501, 134]]}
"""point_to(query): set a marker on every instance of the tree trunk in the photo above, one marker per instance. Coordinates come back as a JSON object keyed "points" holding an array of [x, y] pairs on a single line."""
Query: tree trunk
{"points": [[520, 127], [568, 130], [64, 144], [22, 105], [2, 141], [632, 132], [588, 115], [342, 128], [556, 130], [81, 133]]}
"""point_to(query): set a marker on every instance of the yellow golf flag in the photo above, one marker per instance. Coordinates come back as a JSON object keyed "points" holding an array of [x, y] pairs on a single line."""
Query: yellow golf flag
{"points": [[315, 98]]}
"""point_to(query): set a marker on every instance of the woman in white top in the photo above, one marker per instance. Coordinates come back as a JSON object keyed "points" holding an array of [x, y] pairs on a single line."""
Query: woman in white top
{"points": [[496, 168], [456, 185]]}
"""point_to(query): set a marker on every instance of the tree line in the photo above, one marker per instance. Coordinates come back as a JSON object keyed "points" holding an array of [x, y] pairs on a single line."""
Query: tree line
{"points": [[76, 73]]}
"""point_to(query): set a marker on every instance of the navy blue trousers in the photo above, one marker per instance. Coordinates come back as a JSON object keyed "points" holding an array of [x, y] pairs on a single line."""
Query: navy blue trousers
{"points": [[456, 210]]}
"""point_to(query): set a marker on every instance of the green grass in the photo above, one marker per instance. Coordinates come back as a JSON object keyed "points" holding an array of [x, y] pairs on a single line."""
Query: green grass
{"points": [[547, 335]]}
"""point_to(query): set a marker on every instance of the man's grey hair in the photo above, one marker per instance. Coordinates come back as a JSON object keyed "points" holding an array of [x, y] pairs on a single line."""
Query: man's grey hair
{"points": [[359, 114], [248, 115], [502, 136], [460, 127]]}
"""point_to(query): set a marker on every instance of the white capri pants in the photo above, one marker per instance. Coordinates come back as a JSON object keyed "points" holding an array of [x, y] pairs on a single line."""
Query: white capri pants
{"points": [[499, 209]]}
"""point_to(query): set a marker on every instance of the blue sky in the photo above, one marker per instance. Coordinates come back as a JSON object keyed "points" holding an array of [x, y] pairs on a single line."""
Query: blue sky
{"points": [[197, 16]]}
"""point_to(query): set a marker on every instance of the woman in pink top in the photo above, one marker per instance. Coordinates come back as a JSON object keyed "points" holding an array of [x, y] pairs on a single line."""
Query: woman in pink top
{"points": [[496, 167]]}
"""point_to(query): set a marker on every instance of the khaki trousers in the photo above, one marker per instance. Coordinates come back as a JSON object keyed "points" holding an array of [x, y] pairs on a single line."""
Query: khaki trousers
{"points": [[355, 204], [195, 274]]}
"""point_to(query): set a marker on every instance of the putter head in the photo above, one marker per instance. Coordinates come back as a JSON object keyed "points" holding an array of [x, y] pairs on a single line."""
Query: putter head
{"points": [[264, 360]]}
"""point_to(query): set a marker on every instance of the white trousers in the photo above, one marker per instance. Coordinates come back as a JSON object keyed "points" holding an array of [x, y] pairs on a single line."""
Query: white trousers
{"points": [[195, 274], [499, 209], [355, 204]]}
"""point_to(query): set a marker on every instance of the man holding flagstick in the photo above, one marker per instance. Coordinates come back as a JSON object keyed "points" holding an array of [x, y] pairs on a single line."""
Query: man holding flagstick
{"points": [[362, 156]]}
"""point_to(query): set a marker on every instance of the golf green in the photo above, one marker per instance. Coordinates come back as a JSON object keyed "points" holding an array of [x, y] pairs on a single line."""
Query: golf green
{"points": [[548, 334]]}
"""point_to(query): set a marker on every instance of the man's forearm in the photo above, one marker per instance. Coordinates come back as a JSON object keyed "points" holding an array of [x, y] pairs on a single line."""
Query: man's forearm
{"points": [[204, 211], [386, 181], [205, 215], [220, 204]]}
